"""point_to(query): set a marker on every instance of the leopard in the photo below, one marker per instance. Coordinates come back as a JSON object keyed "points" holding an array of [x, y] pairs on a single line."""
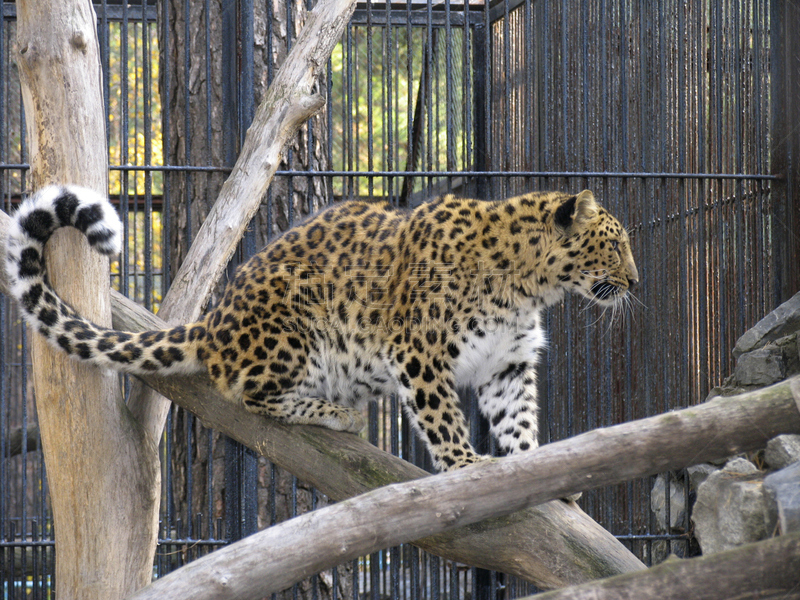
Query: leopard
{"points": [[360, 301]]}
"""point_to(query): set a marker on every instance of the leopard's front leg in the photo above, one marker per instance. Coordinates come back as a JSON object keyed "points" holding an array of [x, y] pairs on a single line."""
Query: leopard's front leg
{"points": [[508, 400], [431, 400]]}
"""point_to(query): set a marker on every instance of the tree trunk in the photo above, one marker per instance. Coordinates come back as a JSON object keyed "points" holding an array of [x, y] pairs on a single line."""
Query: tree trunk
{"points": [[105, 532], [198, 136]]}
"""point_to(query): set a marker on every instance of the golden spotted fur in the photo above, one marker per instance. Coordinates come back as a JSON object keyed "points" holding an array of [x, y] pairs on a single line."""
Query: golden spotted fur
{"points": [[361, 301]]}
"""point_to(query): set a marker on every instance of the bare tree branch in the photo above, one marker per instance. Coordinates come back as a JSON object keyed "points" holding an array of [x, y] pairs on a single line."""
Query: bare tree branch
{"points": [[273, 559], [768, 569]]}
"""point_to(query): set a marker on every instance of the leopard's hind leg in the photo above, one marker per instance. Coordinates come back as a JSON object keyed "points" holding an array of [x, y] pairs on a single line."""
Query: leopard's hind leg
{"points": [[291, 408]]}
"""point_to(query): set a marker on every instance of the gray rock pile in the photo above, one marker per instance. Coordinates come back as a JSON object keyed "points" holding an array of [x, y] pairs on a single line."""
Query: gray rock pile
{"points": [[749, 498]]}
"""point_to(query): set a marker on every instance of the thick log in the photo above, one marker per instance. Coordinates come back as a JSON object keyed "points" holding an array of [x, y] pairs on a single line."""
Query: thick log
{"points": [[764, 570], [105, 533], [275, 558], [549, 545]]}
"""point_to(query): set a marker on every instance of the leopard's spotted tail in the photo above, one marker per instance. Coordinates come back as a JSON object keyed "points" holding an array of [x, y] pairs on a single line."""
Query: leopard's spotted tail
{"points": [[51, 208]]}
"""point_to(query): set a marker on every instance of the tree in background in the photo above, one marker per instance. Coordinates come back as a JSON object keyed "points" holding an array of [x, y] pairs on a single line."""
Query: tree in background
{"points": [[206, 131]]}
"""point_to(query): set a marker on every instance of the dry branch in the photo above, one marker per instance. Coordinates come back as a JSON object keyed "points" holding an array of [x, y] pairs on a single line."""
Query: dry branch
{"points": [[768, 569], [105, 533], [273, 559], [289, 102]]}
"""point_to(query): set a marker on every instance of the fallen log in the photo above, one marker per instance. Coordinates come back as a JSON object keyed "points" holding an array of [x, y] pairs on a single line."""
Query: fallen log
{"points": [[768, 569], [273, 559]]}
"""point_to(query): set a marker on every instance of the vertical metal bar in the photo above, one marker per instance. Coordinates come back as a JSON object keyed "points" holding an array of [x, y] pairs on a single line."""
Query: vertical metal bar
{"points": [[506, 102], [347, 107], [5, 488], [103, 35], [246, 97], [430, 61], [531, 88], [683, 209], [329, 117], [388, 116], [125, 266], [785, 85], [702, 342], [147, 160], [227, 31], [449, 93], [481, 107], [370, 101], [467, 91], [738, 45], [209, 117], [167, 519], [24, 453], [164, 89]]}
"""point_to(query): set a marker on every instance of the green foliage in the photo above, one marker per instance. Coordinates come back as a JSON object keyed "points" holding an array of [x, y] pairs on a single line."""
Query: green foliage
{"points": [[376, 78], [134, 115]]}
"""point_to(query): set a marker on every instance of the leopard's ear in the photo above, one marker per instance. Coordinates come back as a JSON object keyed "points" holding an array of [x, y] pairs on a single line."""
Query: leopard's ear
{"points": [[576, 211]]}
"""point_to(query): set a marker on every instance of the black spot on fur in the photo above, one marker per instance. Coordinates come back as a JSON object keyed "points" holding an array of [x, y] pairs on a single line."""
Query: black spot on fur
{"points": [[88, 216], [65, 206], [563, 216], [38, 225], [30, 263], [30, 299], [413, 367], [177, 335], [48, 316]]}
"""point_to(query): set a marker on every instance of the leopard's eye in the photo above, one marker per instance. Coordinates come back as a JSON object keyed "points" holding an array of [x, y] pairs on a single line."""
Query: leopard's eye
{"points": [[614, 244]]}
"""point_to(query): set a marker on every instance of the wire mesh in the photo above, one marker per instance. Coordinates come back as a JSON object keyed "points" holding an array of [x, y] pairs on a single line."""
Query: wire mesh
{"points": [[666, 110]]}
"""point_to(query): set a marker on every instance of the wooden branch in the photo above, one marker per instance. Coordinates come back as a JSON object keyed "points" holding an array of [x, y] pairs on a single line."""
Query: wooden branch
{"points": [[549, 545], [105, 533], [288, 103], [768, 569], [273, 559]]}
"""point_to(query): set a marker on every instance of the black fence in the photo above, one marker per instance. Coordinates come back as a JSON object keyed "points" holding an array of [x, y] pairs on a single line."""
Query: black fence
{"points": [[679, 115]]}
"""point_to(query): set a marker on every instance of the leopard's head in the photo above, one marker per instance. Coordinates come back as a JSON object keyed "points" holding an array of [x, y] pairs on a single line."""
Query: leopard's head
{"points": [[596, 259]]}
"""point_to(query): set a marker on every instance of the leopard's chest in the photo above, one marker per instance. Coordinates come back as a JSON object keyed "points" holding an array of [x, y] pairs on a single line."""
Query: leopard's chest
{"points": [[348, 370], [493, 344]]}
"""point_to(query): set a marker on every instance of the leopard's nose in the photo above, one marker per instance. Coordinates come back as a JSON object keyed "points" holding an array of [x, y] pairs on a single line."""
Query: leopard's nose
{"points": [[633, 277]]}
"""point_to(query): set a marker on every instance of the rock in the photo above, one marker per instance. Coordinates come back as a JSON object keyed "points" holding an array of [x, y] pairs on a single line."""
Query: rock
{"points": [[740, 465], [733, 508], [782, 451], [699, 473], [784, 488], [677, 503], [761, 367], [782, 321]]}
